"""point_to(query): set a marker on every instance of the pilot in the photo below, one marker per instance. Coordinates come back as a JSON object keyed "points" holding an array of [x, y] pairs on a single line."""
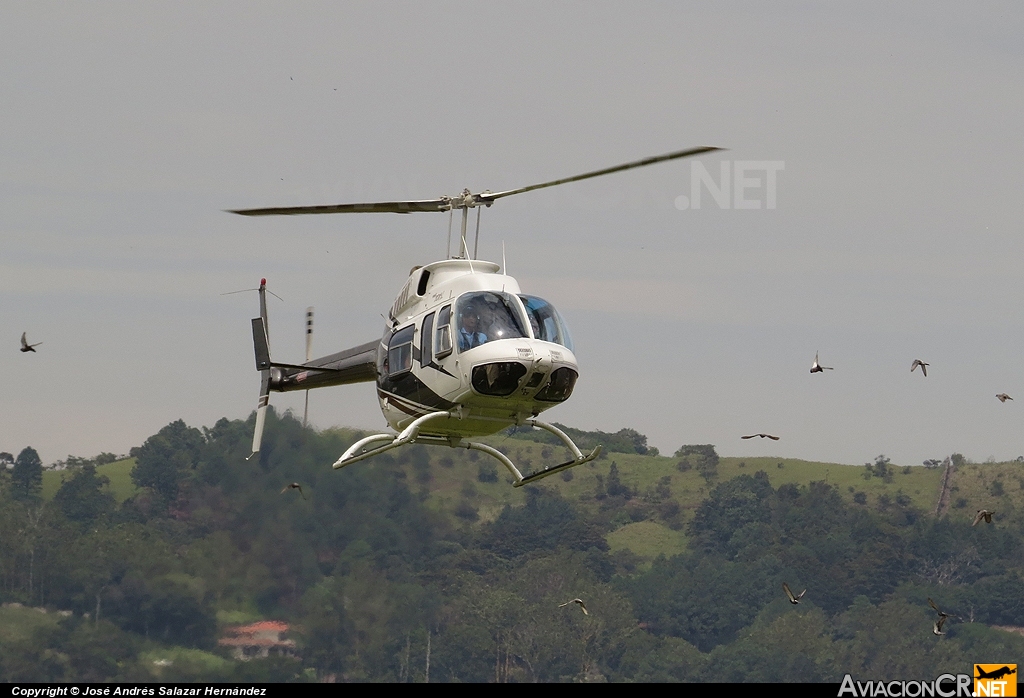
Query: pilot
{"points": [[494, 321], [469, 330]]}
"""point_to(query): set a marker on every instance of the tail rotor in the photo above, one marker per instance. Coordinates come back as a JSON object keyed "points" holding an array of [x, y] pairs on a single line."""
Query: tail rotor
{"points": [[261, 345]]}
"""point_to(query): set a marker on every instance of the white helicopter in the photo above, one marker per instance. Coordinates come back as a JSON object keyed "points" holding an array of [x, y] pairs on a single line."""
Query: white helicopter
{"points": [[465, 352]]}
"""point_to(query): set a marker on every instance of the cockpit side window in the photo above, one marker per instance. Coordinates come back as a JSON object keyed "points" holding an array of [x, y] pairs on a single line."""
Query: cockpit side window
{"points": [[400, 351], [443, 333], [487, 316], [546, 323], [426, 336]]}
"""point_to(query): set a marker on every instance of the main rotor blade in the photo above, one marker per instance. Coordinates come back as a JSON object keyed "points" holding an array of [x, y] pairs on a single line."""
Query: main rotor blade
{"points": [[462, 201], [487, 198], [378, 207]]}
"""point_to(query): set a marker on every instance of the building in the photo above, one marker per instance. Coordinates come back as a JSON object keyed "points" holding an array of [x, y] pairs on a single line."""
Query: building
{"points": [[261, 639]]}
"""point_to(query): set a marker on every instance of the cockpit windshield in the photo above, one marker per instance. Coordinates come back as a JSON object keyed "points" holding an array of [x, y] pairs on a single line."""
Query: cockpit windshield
{"points": [[547, 324], [487, 316]]}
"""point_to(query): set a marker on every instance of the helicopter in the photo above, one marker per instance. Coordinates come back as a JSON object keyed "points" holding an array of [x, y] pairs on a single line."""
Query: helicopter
{"points": [[465, 353]]}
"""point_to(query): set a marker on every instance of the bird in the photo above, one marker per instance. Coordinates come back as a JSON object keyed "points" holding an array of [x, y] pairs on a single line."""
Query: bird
{"points": [[983, 514], [1003, 397], [793, 599], [294, 486], [937, 628], [576, 601], [941, 613], [818, 368], [763, 436], [25, 346], [922, 364]]}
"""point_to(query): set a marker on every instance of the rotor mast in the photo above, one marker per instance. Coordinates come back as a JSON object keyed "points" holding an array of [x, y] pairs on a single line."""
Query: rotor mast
{"points": [[465, 201]]}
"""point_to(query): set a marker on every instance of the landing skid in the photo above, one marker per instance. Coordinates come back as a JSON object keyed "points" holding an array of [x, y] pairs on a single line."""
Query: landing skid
{"points": [[365, 448]]}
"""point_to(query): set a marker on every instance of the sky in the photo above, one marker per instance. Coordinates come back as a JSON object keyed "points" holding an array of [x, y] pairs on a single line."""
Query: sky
{"points": [[892, 132]]}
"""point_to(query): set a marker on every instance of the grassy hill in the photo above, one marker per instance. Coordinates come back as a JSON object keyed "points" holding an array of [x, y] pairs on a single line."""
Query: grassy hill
{"points": [[475, 488], [237, 546], [648, 524], [998, 487], [119, 473]]}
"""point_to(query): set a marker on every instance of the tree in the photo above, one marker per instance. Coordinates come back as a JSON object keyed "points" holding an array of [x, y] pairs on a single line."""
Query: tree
{"points": [[881, 469], [615, 488], [731, 506], [623, 441], [166, 459], [700, 456], [82, 498], [27, 477]]}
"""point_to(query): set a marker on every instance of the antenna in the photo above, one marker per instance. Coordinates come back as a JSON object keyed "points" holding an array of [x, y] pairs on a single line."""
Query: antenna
{"points": [[504, 269], [309, 355]]}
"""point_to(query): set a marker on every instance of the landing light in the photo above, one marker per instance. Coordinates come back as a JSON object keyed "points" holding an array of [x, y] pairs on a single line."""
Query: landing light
{"points": [[500, 378]]}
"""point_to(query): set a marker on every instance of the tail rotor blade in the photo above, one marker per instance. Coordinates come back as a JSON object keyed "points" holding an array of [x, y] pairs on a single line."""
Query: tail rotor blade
{"points": [[261, 413]]}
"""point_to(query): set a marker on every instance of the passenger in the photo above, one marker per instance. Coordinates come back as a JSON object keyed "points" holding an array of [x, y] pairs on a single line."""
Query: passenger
{"points": [[534, 324], [469, 331]]}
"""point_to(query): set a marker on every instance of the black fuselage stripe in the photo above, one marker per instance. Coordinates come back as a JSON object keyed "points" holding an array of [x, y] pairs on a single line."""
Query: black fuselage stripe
{"points": [[410, 406]]}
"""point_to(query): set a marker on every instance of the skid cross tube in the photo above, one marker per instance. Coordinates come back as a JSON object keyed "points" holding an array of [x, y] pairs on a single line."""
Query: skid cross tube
{"points": [[491, 451], [578, 457], [408, 435], [411, 434]]}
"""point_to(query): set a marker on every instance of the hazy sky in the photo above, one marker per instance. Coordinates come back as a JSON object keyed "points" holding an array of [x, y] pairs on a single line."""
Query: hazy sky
{"points": [[127, 128]]}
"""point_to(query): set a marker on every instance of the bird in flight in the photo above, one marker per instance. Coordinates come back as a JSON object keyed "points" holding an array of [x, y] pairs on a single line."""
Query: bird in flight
{"points": [[763, 436], [818, 368], [25, 346], [792, 599], [922, 364], [576, 601], [294, 486], [1003, 397], [937, 628], [983, 514]]}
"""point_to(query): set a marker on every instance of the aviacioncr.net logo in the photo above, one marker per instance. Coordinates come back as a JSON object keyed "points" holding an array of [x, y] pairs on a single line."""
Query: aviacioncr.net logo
{"points": [[945, 686]]}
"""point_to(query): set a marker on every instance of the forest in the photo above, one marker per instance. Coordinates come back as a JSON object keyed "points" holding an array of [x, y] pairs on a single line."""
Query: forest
{"points": [[424, 564]]}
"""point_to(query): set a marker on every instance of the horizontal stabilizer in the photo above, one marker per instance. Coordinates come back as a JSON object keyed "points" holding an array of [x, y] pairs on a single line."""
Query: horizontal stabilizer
{"points": [[305, 367], [261, 344]]}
